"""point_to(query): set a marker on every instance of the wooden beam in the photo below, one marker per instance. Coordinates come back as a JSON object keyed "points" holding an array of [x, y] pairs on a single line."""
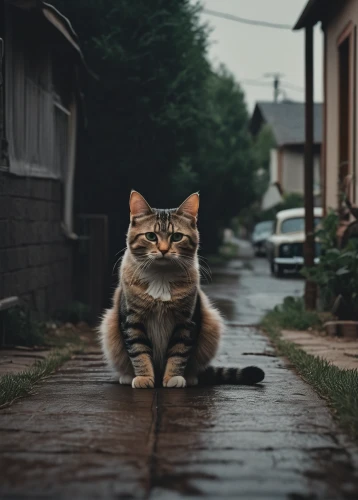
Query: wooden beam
{"points": [[309, 250]]}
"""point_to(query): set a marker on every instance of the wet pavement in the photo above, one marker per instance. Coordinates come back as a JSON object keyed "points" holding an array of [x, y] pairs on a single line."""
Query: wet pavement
{"points": [[258, 292], [84, 436]]}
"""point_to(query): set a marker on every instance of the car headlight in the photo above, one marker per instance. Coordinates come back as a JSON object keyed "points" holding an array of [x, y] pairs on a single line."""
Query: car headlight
{"points": [[285, 250]]}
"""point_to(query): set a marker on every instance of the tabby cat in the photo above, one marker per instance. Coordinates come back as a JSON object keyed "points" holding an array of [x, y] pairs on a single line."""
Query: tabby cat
{"points": [[162, 329]]}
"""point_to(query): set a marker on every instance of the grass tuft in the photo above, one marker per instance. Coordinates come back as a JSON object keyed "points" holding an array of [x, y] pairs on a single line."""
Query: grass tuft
{"points": [[339, 387], [15, 386]]}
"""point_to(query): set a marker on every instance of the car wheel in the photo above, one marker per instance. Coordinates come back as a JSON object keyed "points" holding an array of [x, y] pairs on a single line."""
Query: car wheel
{"points": [[278, 270], [272, 267]]}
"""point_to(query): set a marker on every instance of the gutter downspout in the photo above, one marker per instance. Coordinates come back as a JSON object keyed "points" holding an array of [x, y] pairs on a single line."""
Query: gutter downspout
{"points": [[69, 180]]}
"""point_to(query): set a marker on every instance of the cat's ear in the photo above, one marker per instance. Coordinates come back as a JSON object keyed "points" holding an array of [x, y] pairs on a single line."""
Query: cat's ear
{"points": [[190, 206], [138, 205]]}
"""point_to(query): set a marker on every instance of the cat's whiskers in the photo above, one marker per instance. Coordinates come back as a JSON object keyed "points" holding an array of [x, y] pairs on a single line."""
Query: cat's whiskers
{"points": [[116, 263], [187, 268], [204, 267], [119, 258], [182, 266], [120, 251], [139, 270]]}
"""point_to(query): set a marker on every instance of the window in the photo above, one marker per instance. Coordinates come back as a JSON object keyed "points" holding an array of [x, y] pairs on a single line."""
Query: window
{"points": [[296, 225], [36, 121]]}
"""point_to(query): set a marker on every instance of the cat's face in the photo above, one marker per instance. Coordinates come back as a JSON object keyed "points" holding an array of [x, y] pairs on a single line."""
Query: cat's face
{"points": [[163, 237]]}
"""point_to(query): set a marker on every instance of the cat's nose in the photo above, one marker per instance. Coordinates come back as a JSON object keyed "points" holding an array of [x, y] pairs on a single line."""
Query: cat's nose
{"points": [[164, 250]]}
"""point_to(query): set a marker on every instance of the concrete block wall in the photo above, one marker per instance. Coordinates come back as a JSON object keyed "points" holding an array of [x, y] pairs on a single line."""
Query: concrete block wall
{"points": [[35, 258]]}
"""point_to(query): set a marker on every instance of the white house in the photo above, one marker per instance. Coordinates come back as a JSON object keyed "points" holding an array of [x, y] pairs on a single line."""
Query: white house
{"points": [[287, 122]]}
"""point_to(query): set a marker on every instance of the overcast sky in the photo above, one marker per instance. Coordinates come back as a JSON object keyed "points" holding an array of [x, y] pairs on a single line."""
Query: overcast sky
{"points": [[249, 51]]}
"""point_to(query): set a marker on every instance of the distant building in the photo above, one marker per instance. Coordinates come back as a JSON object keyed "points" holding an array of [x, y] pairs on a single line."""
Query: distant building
{"points": [[339, 21], [287, 122]]}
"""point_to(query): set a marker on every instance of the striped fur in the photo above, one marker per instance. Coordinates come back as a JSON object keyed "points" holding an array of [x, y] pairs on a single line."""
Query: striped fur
{"points": [[249, 375], [161, 328]]}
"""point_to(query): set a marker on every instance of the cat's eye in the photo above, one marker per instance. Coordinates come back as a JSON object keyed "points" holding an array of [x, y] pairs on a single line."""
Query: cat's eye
{"points": [[177, 236], [151, 236]]}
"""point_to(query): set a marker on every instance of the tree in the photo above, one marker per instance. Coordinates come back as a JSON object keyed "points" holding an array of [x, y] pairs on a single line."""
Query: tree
{"points": [[224, 167], [159, 120], [144, 112]]}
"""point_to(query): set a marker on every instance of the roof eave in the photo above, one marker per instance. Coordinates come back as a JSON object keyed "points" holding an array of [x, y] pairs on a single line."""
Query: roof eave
{"points": [[256, 120], [59, 22], [309, 16]]}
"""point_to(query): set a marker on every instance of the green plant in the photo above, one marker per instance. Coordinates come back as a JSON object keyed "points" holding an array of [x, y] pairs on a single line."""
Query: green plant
{"points": [[292, 314], [15, 386], [21, 329], [336, 274], [229, 250], [327, 232]]}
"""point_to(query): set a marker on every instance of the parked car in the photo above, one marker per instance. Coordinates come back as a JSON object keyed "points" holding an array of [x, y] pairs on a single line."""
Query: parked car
{"points": [[262, 231], [285, 245]]}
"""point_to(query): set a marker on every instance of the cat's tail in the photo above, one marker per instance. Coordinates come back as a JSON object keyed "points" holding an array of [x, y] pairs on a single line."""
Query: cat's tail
{"points": [[213, 375]]}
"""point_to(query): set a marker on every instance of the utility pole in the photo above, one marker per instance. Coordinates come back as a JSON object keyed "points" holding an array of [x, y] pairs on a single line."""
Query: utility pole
{"points": [[276, 84], [309, 249]]}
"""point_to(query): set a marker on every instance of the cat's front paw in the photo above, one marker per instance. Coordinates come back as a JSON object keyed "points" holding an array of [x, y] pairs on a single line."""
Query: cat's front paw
{"points": [[125, 379], [176, 381], [143, 383]]}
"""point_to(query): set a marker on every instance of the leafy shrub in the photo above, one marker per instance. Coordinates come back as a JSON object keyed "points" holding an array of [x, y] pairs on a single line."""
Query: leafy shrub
{"points": [[292, 314], [21, 329], [337, 272], [229, 250]]}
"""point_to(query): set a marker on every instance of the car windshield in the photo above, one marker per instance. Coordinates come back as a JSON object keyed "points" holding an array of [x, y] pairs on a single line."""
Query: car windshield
{"points": [[263, 227], [296, 224]]}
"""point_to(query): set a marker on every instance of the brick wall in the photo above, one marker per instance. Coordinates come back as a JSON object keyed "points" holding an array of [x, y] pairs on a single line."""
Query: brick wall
{"points": [[35, 257]]}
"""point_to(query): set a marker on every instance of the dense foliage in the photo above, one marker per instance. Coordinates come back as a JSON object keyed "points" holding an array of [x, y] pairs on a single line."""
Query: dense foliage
{"points": [[159, 119], [337, 272]]}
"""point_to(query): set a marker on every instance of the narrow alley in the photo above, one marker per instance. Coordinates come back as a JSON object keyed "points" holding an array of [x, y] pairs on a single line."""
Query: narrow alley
{"points": [[84, 436]]}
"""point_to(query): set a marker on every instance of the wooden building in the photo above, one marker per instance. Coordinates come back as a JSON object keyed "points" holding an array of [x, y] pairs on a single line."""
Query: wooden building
{"points": [[339, 21], [39, 108]]}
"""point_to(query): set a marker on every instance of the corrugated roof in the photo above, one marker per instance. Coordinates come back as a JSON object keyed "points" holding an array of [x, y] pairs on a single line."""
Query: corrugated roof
{"points": [[287, 121]]}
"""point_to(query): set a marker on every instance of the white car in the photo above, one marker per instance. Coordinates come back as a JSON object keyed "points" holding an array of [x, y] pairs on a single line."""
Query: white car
{"points": [[285, 245]]}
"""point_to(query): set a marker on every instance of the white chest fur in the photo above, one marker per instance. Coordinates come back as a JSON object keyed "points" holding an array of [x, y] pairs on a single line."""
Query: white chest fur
{"points": [[159, 285], [159, 288]]}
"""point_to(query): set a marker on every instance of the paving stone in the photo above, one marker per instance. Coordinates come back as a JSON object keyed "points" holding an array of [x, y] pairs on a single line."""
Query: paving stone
{"points": [[340, 352]]}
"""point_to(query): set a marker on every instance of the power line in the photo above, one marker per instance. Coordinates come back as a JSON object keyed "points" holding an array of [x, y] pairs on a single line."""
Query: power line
{"points": [[259, 83], [291, 86], [243, 20], [256, 83]]}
